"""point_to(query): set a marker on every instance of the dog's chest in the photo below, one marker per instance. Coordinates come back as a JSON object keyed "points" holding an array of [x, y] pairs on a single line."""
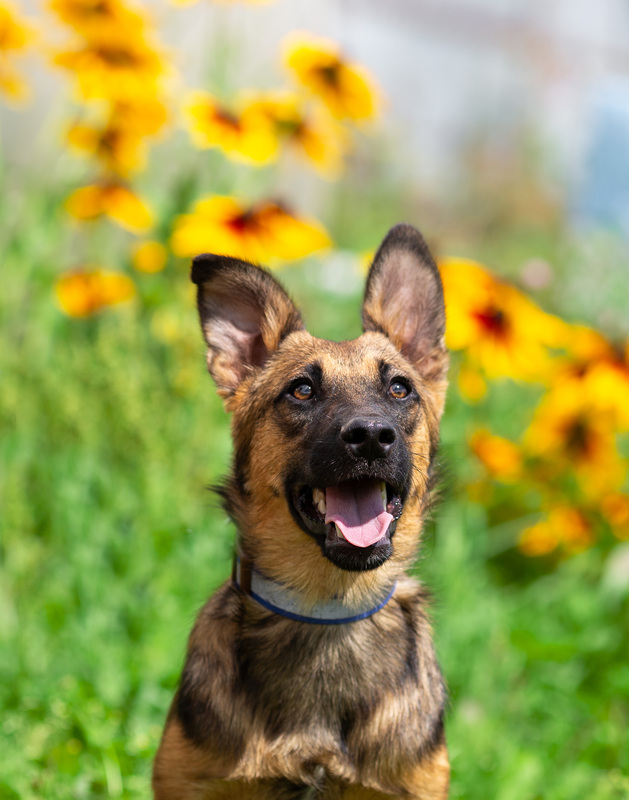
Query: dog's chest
{"points": [[323, 697]]}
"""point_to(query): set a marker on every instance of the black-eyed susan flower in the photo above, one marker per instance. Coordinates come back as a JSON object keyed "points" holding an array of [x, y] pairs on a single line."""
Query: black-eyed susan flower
{"points": [[81, 293], [112, 200], [501, 331], [346, 88], [119, 66], [263, 232], [242, 134], [311, 132], [598, 370], [145, 115], [120, 150], [564, 526], [15, 36], [115, 134], [97, 18], [569, 435], [615, 509], [149, 256], [501, 458]]}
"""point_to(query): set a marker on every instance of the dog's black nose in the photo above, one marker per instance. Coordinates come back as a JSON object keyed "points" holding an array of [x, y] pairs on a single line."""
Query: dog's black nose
{"points": [[368, 438]]}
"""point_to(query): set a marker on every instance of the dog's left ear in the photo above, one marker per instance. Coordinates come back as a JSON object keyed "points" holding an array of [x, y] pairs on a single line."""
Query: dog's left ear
{"points": [[404, 300], [245, 314]]}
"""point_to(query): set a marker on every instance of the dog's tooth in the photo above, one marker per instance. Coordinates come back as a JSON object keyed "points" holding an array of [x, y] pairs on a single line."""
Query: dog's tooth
{"points": [[383, 494], [339, 532], [318, 499]]}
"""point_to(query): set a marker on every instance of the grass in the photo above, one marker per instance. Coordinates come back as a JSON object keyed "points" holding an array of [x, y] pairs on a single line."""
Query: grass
{"points": [[110, 543]]}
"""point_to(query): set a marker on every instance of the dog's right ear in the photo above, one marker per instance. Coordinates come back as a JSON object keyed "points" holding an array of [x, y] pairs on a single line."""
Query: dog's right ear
{"points": [[245, 314]]}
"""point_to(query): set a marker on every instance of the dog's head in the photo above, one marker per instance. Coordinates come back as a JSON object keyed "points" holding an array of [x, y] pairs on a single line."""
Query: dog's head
{"points": [[333, 442]]}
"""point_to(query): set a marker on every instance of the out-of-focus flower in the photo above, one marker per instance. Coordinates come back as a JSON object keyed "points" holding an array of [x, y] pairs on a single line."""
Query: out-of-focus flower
{"points": [[145, 115], [112, 200], [345, 88], [311, 133], [262, 232], [82, 293], [150, 256], [117, 66], [584, 345], [471, 383], [245, 135], [97, 18], [116, 133], [501, 331], [564, 526], [15, 37], [568, 432], [118, 149], [500, 457], [615, 508], [599, 371]]}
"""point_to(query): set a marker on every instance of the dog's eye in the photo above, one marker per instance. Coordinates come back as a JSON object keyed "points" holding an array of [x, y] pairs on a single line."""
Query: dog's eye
{"points": [[399, 390], [303, 391]]}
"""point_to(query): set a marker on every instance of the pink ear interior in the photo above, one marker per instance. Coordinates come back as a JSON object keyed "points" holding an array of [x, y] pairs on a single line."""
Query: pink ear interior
{"points": [[235, 326], [244, 314], [404, 299]]}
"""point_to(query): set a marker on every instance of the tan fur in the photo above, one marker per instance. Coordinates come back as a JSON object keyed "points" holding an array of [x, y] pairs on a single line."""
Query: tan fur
{"points": [[273, 709]]}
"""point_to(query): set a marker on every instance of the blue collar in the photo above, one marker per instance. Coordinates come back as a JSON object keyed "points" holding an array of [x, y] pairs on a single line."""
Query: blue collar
{"points": [[281, 600]]}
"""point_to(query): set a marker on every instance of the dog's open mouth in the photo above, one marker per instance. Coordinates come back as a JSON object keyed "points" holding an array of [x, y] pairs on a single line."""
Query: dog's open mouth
{"points": [[353, 514]]}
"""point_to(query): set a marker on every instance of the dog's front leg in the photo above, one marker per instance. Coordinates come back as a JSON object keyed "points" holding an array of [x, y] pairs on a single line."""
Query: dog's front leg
{"points": [[429, 780], [183, 771]]}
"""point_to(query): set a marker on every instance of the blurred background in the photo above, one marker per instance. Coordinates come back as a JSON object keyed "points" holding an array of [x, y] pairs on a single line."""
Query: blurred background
{"points": [[137, 134]]}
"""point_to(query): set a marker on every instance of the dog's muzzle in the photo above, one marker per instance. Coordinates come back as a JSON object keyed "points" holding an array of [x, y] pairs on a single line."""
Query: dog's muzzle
{"points": [[353, 521]]}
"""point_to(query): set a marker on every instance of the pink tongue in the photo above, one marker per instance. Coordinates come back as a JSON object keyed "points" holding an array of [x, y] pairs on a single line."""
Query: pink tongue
{"points": [[356, 507]]}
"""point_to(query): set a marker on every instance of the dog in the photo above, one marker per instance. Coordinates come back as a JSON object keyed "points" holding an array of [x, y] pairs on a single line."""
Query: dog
{"points": [[312, 673]]}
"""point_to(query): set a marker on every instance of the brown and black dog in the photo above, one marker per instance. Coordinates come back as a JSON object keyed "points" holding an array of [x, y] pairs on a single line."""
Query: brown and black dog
{"points": [[312, 674]]}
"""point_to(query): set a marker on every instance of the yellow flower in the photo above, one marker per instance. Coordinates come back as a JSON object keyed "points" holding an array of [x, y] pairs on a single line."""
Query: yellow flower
{"points": [[600, 371], [312, 134], [119, 150], [584, 345], [501, 331], [121, 66], [14, 34], [262, 232], [565, 526], [81, 293], [15, 37], [501, 458], [568, 432], [471, 383], [144, 115], [346, 89], [615, 508], [117, 139], [97, 18], [607, 384], [112, 200], [149, 256], [243, 135]]}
